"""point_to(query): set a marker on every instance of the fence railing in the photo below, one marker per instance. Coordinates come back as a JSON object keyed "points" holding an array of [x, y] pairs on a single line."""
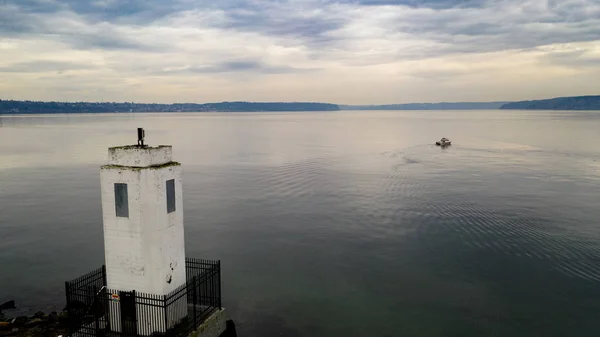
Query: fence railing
{"points": [[95, 310]]}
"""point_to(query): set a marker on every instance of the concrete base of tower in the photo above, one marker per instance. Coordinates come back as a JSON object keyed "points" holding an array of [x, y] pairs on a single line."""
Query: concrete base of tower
{"points": [[214, 326]]}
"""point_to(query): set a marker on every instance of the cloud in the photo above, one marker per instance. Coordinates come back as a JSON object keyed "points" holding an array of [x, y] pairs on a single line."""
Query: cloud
{"points": [[43, 67], [422, 3], [123, 11], [384, 43], [578, 58], [296, 21], [502, 25], [446, 26], [231, 67], [65, 26]]}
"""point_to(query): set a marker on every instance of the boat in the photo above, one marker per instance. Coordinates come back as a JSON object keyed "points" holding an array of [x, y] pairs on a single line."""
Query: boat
{"points": [[443, 142]]}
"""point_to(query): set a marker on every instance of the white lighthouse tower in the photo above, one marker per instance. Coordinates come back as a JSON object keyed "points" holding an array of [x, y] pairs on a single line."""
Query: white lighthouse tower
{"points": [[143, 226], [147, 286], [143, 219]]}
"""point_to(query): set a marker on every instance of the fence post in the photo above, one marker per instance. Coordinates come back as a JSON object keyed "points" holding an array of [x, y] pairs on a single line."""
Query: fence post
{"points": [[195, 299], [104, 282], [67, 291], [69, 315], [166, 314], [95, 308], [219, 282], [135, 312]]}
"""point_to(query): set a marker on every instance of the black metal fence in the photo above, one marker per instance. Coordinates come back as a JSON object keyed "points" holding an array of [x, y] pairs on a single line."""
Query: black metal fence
{"points": [[95, 310]]}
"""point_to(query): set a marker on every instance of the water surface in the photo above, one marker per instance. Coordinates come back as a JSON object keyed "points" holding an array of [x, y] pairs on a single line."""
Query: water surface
{"points": [[338, 223]]}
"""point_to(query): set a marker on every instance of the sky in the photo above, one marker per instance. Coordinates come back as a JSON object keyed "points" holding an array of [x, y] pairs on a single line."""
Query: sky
{"points": [[344, 52]]}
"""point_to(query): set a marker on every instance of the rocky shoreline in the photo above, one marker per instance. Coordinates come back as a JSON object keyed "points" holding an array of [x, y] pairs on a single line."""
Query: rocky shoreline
{"points": [[39, 325], [53, 324]]}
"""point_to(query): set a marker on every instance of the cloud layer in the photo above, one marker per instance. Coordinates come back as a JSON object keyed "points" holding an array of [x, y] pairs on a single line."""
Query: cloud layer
{"points": [[363, 51]]}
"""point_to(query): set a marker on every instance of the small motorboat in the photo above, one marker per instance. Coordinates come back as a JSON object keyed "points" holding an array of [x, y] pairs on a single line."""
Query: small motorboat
{"points": [[443, 142]]}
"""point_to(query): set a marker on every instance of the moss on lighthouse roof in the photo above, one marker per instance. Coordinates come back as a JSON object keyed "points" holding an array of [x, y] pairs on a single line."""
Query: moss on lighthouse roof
{"points": [[137, 168], [135, 146]]}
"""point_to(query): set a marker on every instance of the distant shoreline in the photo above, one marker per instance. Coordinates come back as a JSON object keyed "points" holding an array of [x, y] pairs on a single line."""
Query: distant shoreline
{"points": [[559, 103], [14, 107], [31, 107]]}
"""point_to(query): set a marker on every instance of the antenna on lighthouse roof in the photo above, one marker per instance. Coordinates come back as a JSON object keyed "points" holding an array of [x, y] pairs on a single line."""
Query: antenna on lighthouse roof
{"points": [[141, 135]]}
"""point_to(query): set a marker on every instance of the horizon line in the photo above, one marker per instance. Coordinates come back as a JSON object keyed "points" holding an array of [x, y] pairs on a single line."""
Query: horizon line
{"points": [[297, 102]]}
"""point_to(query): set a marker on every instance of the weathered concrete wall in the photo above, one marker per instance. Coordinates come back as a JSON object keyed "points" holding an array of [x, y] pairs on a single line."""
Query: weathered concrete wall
{"points": [[123, 240], [145, 251], [139, 156], [214, 326]]}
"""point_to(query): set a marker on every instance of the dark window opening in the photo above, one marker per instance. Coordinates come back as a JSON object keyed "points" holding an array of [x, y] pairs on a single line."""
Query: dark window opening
{"points": [[121, 203], [170, 195]]}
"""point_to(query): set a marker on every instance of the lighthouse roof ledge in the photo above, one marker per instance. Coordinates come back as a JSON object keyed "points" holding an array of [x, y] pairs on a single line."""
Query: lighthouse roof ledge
{"points": [[140, 156]]}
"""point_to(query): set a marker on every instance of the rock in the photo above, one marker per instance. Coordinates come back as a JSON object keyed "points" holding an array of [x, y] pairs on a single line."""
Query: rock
{"points": [[8, 305], [53, 317], [20, 321], [50, 333], [34, 322], [63, 317], [39, 314], [33, 331]]}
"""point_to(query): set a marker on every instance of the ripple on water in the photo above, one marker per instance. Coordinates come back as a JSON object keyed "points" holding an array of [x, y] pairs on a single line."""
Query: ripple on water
{"points": [[517, 235], [293, 179], [443, 214]]}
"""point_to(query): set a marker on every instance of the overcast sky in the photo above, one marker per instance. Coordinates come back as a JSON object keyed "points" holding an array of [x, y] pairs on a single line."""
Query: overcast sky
{"points": [[346, 52]]}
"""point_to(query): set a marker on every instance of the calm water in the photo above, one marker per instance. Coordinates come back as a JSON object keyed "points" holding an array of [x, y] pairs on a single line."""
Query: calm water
{"points": [[336, 224]]}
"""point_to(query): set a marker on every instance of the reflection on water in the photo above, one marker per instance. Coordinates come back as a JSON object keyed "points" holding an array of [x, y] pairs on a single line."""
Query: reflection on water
{"points": [[353, 214]]}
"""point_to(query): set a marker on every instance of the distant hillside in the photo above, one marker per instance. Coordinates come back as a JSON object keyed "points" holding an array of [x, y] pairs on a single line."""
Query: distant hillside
{"points": [[560, 103], [428, 106], [30, 107]]}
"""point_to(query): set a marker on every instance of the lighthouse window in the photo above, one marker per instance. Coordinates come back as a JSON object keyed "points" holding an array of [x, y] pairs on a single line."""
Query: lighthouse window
{"points": [[121, 203], [170, 195]]}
